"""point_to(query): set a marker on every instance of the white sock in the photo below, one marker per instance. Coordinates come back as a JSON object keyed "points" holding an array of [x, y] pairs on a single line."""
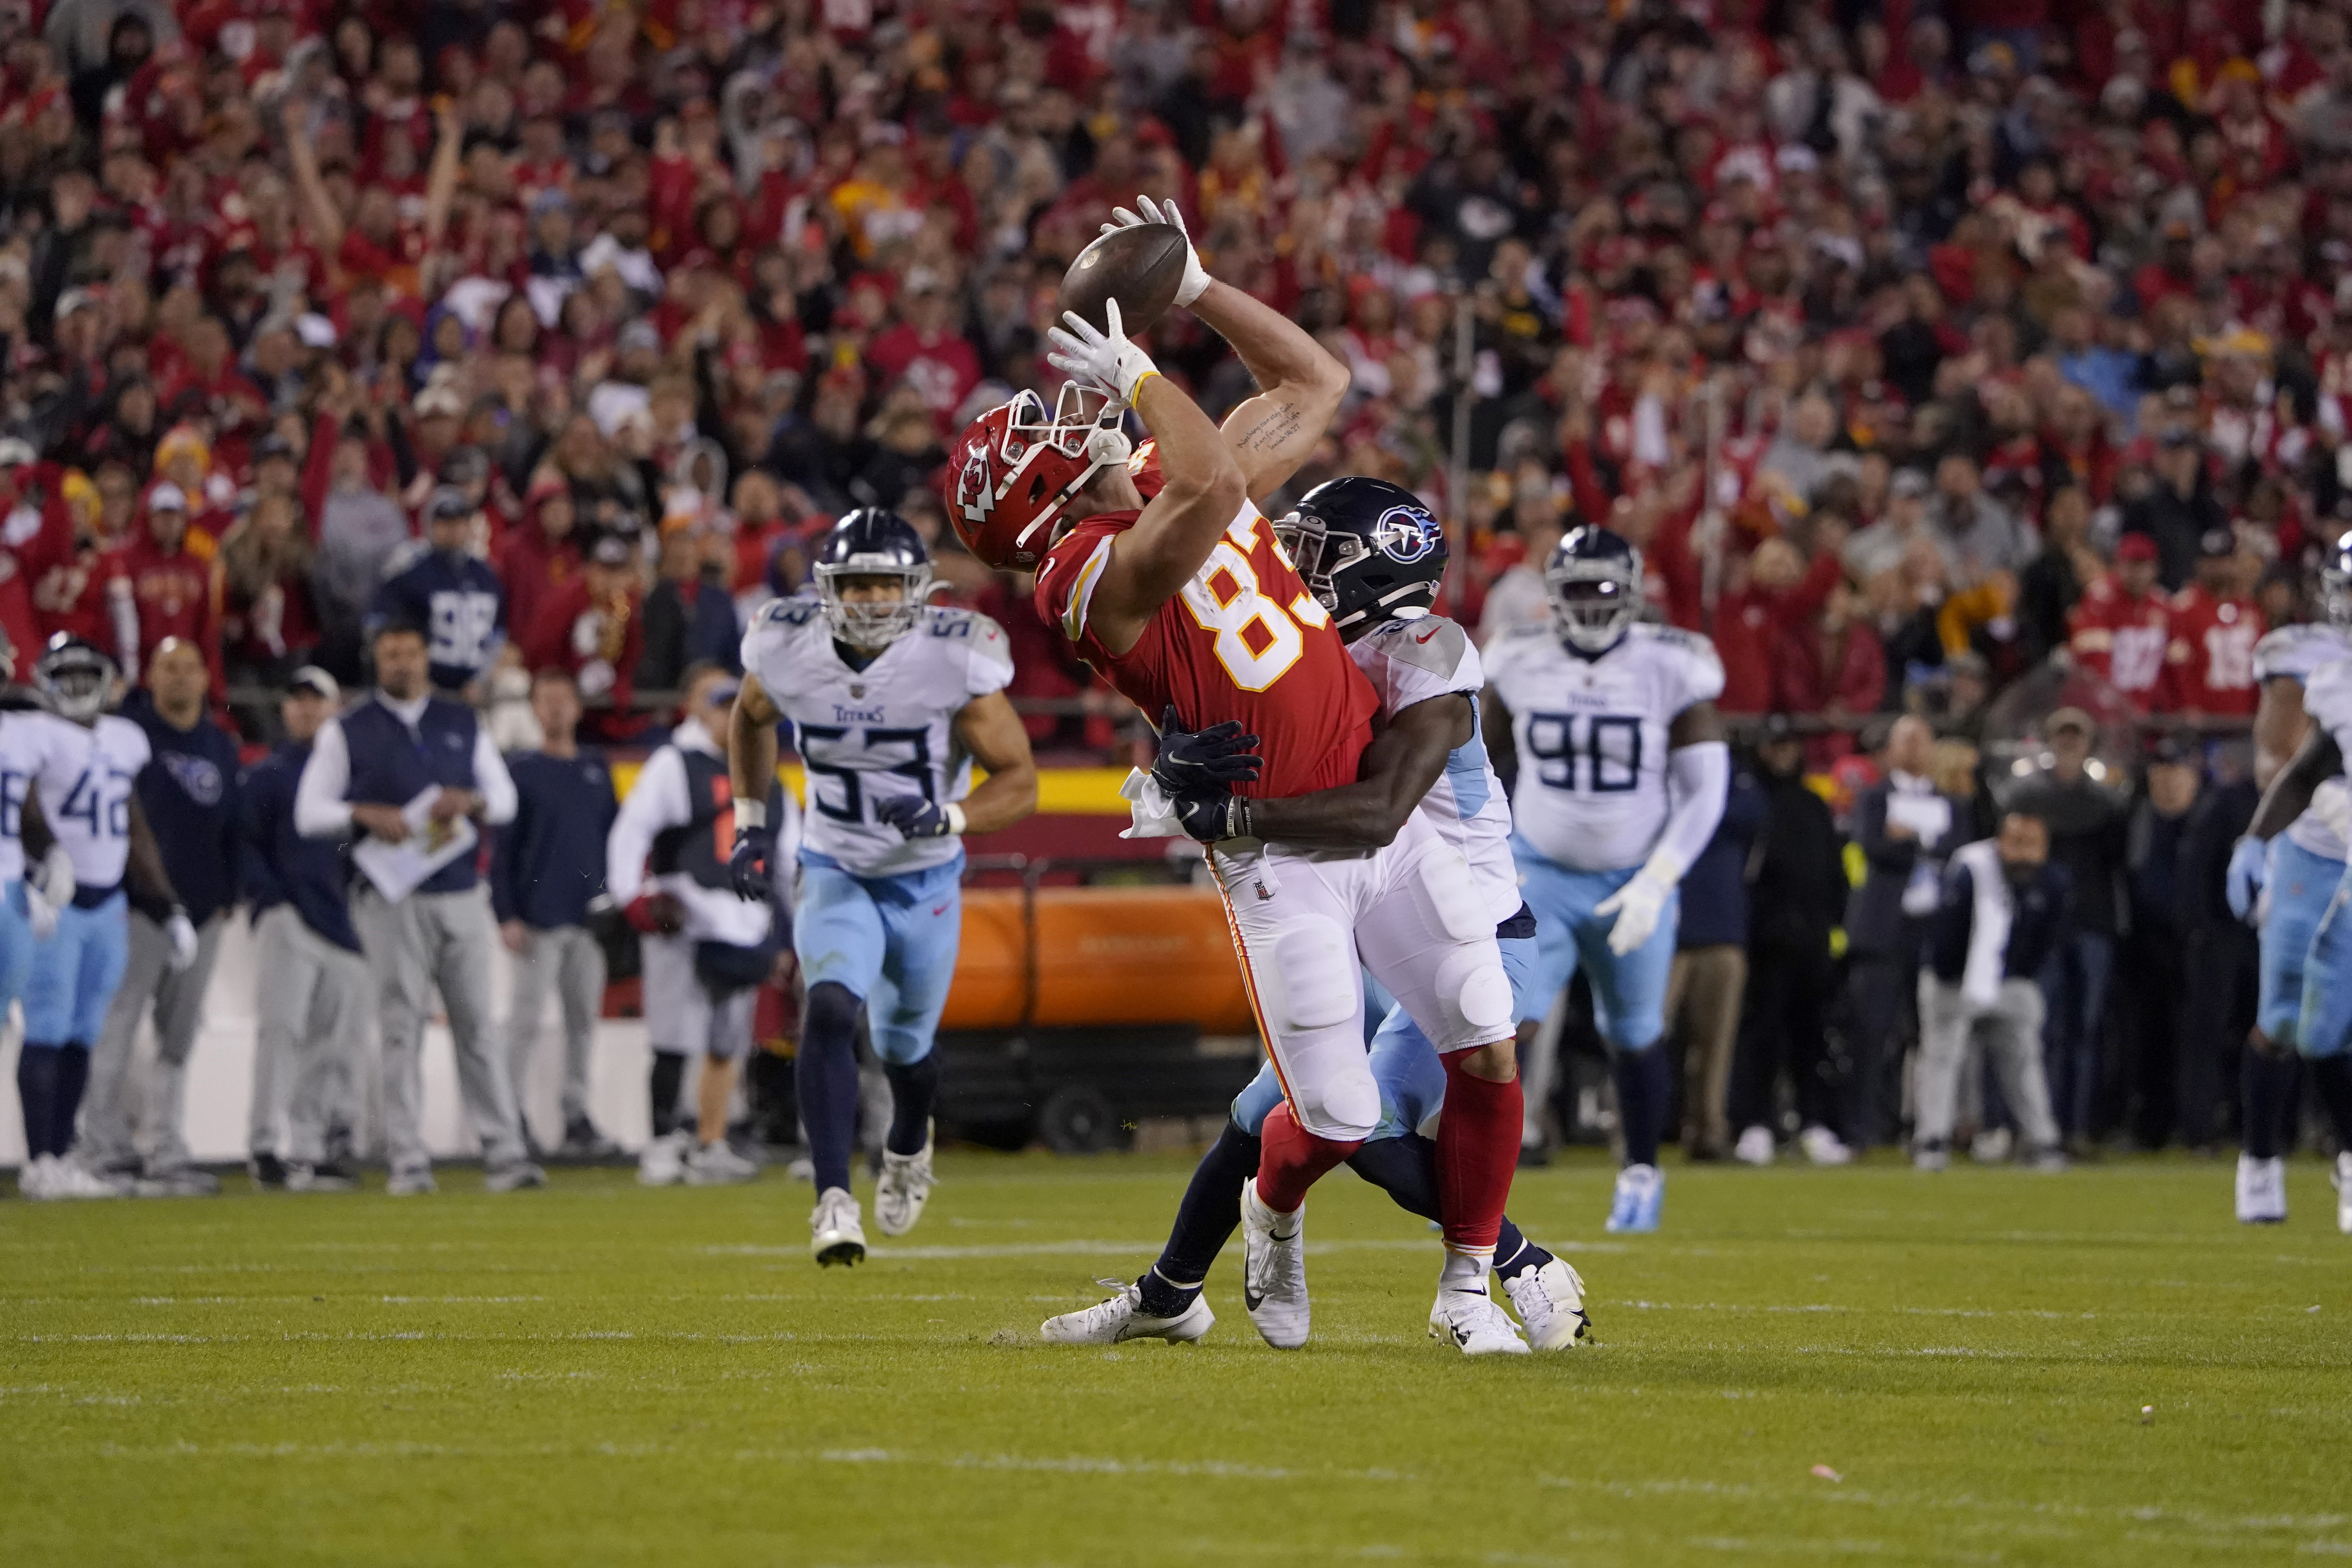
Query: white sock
{"points": [[1464, 1270]]}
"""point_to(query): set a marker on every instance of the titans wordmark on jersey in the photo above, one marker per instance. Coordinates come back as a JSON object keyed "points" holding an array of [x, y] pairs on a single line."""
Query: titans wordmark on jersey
{"points": [[2296, 653], [1591, 737], [888, 729]]}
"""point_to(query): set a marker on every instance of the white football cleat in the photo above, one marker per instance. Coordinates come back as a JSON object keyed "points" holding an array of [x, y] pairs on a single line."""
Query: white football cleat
{"points": [[69, 1178], [1476, 1325], [1824, 1147], [1274, 1270], [1551, 1301], [33, 1178], [718, 1165], [2262, 1190], [835, 1233], [1754, 1146], [902, 1189], [662, 1163], [2343, 1180], [1123, 1318]]}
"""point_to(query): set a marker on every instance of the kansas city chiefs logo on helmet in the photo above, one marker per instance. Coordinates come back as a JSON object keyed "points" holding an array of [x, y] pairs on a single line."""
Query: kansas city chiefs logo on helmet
{"points": [[975, 494]]}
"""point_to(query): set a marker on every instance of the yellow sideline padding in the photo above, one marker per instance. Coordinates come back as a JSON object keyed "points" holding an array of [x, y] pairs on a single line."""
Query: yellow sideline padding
{"points": [[1061, 792]]}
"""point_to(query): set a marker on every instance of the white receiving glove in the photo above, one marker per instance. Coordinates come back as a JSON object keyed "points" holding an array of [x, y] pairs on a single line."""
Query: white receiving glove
{"points": [[40, 913], [180, 931], [1196, 277], [55, 876], [1106, 359], [1638, 904]]}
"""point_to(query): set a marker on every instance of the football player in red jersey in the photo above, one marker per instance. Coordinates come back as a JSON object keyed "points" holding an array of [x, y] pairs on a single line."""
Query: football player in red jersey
{"points": [[2122, 626], [2215, 625], [1186, 602]]}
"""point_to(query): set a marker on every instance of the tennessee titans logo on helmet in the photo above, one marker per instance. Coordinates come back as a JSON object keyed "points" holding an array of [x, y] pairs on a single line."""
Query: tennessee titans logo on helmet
{"points": [[1406, 534]]}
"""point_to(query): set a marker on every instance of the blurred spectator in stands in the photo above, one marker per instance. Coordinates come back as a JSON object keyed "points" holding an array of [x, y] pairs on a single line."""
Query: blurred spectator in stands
{"points": [[538, 555], [1830, 667], [261, 583], [171, 582], [2122, 628], [2152, 983], [2083, 821], [1978, 536], [1884, 546], [593, 628], [1518, 597], [354, 521], [1905, 827], [2215, 624], [2000, 918], [547, 869], [689, 616], [2177, 509], [1797, 892], [2055, 581], [1709, 979]]}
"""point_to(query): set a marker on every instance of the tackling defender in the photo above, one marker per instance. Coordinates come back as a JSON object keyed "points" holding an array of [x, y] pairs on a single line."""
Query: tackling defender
{"points": [[1186, 602], [2295, 845], [1623, 772], [1373, 557], [892, 700]]}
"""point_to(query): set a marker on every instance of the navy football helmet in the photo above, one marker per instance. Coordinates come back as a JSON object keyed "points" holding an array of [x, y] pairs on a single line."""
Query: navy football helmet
{"points": [[872, 542], [77, 679], [1594, 578], [1366, 548]]}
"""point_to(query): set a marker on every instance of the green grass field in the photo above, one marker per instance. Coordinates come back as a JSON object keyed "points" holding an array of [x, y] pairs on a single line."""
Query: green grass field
{"points": [[1806, 1366]]}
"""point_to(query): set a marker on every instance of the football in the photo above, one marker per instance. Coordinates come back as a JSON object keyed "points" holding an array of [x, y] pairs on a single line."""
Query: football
{"points": [[1140, 267]]}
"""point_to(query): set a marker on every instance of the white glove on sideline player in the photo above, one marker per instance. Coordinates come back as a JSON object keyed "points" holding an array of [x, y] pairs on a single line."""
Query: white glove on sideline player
{"points": [[1196, 277], [40, 913], [1640, 903], [1106, 359], [181, 933]]}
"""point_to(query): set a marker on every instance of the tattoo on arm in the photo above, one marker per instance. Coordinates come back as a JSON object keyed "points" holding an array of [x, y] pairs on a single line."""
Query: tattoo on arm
{"points": [[1269, 432]]}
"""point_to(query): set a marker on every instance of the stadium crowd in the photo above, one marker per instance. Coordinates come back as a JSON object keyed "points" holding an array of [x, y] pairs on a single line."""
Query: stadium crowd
{"points": [[1973, 373]]}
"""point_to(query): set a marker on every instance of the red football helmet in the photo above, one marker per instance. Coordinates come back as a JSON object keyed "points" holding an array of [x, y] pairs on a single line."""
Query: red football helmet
{"points": [[1015, 468]]}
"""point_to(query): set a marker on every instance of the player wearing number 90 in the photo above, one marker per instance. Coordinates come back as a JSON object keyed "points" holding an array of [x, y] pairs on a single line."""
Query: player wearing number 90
{"points": [[892, 700], [1173, 586], [1622, 774]]}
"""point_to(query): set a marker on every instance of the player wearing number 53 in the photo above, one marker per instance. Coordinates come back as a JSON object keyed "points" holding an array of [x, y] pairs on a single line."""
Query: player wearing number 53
{"points": [[1164, 575], [892, 701], [1621, 772]]}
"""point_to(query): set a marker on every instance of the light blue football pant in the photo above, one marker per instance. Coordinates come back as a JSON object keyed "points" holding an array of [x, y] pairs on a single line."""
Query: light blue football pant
{"points": [[75, 974], [889, 941]]}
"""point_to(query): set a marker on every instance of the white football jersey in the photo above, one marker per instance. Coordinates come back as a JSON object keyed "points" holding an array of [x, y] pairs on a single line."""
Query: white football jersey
{"points": [[2296, 653], [91, 815], [36, 751], [887, 730], [1591, 737], [1411, 660]]}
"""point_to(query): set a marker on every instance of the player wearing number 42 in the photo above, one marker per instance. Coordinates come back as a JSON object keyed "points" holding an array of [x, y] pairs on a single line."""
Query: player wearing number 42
{"points": [[1622, 774], [892, 700]]}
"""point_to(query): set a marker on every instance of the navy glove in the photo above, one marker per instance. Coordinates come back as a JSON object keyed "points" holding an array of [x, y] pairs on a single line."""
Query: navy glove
{"points": [[747, 867], [917, 817], [1202, 762], [1213, 817]]}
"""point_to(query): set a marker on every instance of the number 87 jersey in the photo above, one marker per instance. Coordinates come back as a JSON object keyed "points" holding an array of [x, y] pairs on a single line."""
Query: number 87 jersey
{"points": [[1244, 640], [1592, 732]]}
